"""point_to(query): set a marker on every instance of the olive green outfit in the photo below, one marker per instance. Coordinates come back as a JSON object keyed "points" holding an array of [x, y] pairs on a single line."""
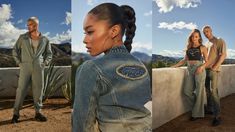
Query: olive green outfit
{"points": [[31, 56]]}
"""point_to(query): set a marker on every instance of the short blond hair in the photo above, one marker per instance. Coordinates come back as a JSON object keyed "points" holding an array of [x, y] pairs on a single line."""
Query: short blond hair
{"points": [[34, 19], [206, 26]]}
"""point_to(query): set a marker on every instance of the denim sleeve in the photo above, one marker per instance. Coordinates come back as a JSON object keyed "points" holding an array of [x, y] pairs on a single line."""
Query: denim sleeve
{"points": [[16, 52], [86, 98], [48, 53]]}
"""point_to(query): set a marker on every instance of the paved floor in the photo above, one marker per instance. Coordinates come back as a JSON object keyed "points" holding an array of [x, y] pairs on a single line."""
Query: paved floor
{"points": [[182, 123]]}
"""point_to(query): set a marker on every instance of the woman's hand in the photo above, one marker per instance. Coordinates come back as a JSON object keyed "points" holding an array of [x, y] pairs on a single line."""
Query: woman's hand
{"points": [[200, 69]]}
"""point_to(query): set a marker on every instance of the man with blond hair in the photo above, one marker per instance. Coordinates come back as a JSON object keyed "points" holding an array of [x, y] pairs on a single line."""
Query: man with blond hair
{"points": [[217, 54], [32, 52]]}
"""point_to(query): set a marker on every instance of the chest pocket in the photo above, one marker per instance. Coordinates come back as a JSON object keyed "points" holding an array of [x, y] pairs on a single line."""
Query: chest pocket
{"points": [[132, 72]]}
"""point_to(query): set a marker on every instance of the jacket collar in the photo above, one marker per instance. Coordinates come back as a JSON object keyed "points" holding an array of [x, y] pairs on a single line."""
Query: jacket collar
{"points": [[28, 35], [118, 49], [29, 45]]}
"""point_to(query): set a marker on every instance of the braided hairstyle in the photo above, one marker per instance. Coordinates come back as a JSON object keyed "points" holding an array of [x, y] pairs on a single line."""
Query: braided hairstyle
{"points": [[118, 15]]}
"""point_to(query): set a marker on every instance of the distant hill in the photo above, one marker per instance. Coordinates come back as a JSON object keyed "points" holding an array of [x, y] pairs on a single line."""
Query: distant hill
{"points": [[79, 56], [142, 56], [229, 61], [156, 58], [159, 61], [61, 55]]}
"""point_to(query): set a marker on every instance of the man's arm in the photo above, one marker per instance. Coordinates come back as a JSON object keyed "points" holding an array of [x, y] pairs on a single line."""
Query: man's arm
{"points": [[16, 51], [220, 61], [222, 56], [48, 54]]}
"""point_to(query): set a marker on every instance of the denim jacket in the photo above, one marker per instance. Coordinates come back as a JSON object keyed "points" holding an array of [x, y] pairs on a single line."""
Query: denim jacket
{"points": [[112, 90]]}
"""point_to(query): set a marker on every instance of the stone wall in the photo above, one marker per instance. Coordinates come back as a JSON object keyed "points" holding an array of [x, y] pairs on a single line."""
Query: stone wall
{"points": [[168, 98]]}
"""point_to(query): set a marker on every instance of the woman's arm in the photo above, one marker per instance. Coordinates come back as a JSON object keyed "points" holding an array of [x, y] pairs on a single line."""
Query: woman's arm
{"points": [[180, 63]]}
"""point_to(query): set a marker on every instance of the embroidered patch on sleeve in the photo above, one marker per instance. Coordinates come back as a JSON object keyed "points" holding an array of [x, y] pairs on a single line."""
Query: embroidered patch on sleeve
{"points": [[131, 72]]}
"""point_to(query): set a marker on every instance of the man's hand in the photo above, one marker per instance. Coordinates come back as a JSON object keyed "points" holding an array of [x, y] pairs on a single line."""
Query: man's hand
{"points": [[214, 67], [43, 65], [199, 70]]}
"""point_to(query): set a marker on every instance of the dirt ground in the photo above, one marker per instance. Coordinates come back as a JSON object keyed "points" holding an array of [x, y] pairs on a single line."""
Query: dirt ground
{"points": [[182, 123], [57, 111]]}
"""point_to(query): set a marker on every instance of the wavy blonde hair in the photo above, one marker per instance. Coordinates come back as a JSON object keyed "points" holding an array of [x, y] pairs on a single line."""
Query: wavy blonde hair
{"points": [[190, 43]]}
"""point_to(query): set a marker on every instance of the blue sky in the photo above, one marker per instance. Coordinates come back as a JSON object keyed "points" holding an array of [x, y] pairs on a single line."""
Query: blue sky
{"points": [[174, 19], [143, 39], [54, 19]]}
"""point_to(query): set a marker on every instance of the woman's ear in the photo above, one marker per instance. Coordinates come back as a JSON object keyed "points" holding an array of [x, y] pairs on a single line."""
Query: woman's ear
{"points": [[115, 31]]}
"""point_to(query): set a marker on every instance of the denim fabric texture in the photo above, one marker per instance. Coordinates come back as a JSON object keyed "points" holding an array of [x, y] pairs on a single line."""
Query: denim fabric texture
{"points": [[31, 69], [213, 99], [196, 90], [112, 90]]}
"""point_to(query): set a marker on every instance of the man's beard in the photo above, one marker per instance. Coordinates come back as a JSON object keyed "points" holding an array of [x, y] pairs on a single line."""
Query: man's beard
{"points": [[33, 30]]}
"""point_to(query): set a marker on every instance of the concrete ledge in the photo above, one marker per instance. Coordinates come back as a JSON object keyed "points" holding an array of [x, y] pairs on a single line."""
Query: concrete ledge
{"points": [[168, 98], [9, 80]]}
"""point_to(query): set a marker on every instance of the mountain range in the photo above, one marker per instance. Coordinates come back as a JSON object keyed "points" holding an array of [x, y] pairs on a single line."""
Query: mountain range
{"points": [[166, 59], [61, 55]]}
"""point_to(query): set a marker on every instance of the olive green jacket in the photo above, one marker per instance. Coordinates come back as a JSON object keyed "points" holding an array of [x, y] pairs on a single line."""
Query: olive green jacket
{"points": [[23, 51]]}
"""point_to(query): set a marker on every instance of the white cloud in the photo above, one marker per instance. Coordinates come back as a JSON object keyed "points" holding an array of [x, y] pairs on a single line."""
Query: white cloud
{"points": [[47, 34], [68, 18], [90, 2], [177, 25], [60, 38], [148, 13], [230, 53], [168, 5], [171, 53], [8, 32], [142, 47], [19, 21], [5, 13]]}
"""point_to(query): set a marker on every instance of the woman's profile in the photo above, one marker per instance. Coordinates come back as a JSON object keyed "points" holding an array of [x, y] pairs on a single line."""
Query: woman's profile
{"points": [[111, 90]]}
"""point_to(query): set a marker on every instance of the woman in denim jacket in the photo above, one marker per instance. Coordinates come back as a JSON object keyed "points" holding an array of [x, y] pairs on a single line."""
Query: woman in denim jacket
{"points": [[195, 54], [111, 90]]}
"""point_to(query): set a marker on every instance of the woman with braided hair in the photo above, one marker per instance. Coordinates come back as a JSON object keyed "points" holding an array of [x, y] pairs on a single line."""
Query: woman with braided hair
{"points": [[111, 90]]}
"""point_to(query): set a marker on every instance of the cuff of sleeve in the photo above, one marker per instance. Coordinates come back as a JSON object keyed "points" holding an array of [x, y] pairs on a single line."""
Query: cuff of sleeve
{"points": [[46, 62], [18, 62]]}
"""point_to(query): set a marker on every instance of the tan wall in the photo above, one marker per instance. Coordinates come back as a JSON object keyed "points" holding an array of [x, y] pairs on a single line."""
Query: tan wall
{"points": [[9, 80], [168, 98]]}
